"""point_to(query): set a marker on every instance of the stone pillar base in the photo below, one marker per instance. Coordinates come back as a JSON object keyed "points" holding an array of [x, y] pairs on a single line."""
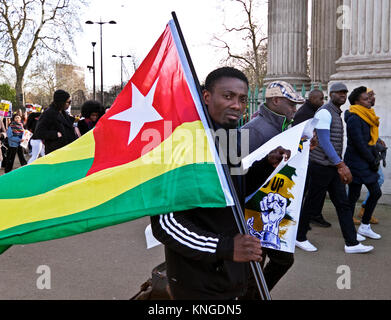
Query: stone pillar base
{"points": [[351, 68]]}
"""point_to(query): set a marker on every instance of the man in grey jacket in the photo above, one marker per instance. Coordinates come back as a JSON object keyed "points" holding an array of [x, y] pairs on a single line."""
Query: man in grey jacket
{"points": [[274, 117]]}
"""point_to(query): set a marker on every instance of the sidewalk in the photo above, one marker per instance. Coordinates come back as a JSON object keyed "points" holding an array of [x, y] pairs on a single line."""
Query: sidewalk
{"points": [[314, 275], [113, 262]]}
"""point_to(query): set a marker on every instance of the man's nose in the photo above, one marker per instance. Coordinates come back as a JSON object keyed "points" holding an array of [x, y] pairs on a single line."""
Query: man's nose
{"points": [[236, 104]]}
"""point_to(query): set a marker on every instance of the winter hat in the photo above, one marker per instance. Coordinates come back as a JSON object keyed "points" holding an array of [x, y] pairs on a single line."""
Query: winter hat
{"points": [[282, 89], [60, 96]]}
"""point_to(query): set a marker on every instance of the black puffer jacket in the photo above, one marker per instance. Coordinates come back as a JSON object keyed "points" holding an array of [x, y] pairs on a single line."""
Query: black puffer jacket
{"points": [[51, 122], [359, 156], [199, 244]]}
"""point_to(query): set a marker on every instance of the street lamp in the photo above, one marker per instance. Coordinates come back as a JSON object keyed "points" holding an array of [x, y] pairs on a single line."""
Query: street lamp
{"points": [[121, 57], [101, 54], [93, 69]]}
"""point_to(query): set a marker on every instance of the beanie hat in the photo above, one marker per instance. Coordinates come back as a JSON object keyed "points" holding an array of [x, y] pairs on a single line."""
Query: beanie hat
{"points": [[60, 96]]}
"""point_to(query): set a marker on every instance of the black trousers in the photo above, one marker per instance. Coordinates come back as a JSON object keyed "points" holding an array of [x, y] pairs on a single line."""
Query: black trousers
{"points": [[374, 195], [12, 151], [325, 179], [277, 266]]}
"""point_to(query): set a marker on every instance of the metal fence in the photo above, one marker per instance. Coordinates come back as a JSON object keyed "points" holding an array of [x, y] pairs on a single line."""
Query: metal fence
{"points": [[257, 97]]}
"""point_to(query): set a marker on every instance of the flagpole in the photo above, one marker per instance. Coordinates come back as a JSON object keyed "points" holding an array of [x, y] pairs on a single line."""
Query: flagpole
{"points": [[236, 209]]}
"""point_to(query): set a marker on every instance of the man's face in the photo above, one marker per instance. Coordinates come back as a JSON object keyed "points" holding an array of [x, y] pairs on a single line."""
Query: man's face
{"points": [[94, 116], [67, 104], [227, 101], [317, 100], [339, 98], [285, 107], [364, 101], [372, 98]]}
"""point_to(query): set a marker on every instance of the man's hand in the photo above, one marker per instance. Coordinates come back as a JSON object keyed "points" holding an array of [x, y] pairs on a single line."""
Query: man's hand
{"points": [[59, 134], [382, 143], [344, 173], [314, 141], [247, 248], [275, 156]]}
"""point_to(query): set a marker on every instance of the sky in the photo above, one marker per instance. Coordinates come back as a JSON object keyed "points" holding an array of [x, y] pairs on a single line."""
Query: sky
{"points": [[139, 25]]}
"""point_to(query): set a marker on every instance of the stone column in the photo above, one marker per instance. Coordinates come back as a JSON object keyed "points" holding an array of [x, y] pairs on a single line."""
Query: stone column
{"points": [[326, 40], [366, 61], [287, 41], [366, 41]]}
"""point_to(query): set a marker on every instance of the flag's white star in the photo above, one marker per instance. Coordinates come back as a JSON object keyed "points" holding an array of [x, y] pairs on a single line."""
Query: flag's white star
{"points": [[140, 112]]}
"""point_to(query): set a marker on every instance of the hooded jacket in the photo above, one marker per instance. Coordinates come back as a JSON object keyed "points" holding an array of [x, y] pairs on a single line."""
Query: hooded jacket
{"points": [[359, 156]]}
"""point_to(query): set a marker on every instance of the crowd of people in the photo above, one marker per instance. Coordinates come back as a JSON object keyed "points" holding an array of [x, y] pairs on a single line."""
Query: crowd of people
{"points": [[206, 256], [50, 130]]}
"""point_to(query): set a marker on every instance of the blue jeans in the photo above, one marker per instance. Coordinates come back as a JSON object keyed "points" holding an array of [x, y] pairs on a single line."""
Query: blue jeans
{"points": [[380, 182]]}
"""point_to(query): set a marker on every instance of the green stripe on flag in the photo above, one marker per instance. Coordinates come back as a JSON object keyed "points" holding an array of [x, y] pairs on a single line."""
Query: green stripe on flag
{"points": [[32, 180], [173, 191]]}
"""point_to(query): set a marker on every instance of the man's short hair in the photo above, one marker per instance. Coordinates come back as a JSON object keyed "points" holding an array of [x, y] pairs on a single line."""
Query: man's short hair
{"points": [[356, 93], [315, 92], [224, 72]]}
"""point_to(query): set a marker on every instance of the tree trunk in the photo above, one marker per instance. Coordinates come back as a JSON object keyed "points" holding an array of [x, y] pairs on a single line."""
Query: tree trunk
{"points": [[19, 90]]}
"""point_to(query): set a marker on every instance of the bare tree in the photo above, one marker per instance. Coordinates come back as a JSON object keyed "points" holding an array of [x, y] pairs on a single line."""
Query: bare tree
{"points": [[32, 27], [253, 60]]}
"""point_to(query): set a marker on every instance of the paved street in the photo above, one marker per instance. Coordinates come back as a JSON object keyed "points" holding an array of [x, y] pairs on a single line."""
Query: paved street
{"points": [[112, 263]]}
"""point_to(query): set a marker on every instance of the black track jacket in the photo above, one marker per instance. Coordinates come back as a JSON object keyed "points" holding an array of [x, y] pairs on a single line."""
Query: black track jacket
{"points": [[199, 244]]}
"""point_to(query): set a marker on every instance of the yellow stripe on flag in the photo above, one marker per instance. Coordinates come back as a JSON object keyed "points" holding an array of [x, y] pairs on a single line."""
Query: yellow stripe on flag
{"points": [[81, 149], [187, 145]]}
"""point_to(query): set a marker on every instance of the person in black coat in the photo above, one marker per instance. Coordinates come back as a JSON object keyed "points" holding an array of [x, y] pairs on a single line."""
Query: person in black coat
{"points": [[362, 127], [308, 109], [55, 126], [91, 111]]}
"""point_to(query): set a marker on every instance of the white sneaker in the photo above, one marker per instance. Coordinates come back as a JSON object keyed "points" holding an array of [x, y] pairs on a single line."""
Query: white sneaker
{"points": [[359, 248], [365, 230], [360, 238], [306, 246]]}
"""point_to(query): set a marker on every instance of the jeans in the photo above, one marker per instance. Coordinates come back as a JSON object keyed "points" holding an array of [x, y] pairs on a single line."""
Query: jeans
{"points": [[325, 179], [374, 196], [380, 182]]}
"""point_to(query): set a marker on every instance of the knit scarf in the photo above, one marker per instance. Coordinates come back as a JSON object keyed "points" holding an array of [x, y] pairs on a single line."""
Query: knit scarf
{"points": [[369, 116], [17, 128]]}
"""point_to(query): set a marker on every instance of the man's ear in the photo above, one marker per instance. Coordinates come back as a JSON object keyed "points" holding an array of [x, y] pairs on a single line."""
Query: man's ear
{"points": [[206, 95], [275, 101]]}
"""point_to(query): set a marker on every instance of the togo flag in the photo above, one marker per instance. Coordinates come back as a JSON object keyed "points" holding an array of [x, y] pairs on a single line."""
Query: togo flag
{"points": [[273, 212], [151, 153]]}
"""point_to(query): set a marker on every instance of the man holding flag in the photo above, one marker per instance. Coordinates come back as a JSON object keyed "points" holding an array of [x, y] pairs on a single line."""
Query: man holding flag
{"points": [[162, 159], [205, 254]]}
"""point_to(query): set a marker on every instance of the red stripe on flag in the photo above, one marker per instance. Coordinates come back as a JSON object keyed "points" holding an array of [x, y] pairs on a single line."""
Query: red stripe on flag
{"points": [[172, 105]]}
